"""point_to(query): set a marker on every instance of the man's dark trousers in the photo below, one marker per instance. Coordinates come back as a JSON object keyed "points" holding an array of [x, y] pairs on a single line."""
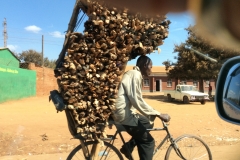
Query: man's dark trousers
{"points": [[142, 138]]}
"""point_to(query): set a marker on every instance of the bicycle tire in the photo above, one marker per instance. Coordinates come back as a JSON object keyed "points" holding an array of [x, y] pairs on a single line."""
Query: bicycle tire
{"points": [[108, 151], [191, 147]]}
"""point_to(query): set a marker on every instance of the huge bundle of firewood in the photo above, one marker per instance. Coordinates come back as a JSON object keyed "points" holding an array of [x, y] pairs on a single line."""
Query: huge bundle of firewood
{"points": [[96, 60]]}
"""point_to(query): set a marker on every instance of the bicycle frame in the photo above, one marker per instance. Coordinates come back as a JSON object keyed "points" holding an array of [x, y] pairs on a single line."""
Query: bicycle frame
{"points": [[90, 155], [120, 129], [85, 149], [167, 137]]}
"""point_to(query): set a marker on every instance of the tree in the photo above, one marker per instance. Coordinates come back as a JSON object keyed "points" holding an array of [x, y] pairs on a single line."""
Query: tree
{"points": [[49, 63], [191, 65], [31, 56], [35, 57]]}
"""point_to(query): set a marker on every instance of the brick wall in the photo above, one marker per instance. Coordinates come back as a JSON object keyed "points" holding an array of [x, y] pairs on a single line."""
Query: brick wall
{"points": [[45, 80]]}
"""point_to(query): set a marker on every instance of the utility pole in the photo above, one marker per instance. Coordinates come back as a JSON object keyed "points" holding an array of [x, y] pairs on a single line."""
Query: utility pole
{"points": [[5, 32], [42, 50], [43, 58]]}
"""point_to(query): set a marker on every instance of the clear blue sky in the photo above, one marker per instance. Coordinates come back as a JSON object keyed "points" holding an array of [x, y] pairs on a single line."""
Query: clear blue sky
{"points": [[28, 20]]}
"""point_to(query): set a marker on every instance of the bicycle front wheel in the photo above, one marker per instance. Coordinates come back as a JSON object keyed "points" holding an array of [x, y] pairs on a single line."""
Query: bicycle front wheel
{"points": [[188, 147], [106, 152]]}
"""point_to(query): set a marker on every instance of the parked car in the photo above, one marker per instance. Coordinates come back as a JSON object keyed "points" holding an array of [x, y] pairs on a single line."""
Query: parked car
{"points": [[186, 94]]}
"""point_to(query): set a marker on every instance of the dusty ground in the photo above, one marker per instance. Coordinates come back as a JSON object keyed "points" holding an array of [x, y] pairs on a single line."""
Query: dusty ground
{"points": [[31, 128]]}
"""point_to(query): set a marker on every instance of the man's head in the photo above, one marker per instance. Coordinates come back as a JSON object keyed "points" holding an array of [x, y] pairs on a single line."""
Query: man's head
{"points": [[144, 63]]}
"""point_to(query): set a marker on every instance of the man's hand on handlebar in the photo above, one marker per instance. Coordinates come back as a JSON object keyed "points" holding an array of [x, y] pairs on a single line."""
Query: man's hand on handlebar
{"points": [[164, 117]]}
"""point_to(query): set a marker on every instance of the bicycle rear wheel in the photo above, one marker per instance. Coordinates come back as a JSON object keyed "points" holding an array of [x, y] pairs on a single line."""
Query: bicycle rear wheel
{"points": [[106, 152], [190, 147]]}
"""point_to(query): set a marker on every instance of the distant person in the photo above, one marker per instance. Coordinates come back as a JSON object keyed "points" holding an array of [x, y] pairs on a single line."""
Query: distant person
{"points": [[210, 90], [130, 96]]}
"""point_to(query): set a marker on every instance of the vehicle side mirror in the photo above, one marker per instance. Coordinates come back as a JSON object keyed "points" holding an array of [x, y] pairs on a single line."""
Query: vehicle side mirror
{"points": [[227, 96]]}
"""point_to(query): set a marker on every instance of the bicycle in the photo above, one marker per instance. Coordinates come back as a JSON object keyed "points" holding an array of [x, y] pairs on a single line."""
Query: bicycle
{"points": [[187, 147]]}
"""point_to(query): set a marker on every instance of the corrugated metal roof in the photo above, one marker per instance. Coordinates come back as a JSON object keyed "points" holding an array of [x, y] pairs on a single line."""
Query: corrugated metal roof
{"points": [[155, 69]]}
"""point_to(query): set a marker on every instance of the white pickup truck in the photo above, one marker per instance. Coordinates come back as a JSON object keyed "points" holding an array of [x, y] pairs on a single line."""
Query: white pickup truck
{"points": [[186, 93]]}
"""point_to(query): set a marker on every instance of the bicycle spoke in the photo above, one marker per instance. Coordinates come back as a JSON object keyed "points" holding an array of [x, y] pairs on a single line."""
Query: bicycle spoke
{"points": [[106, 152], [189, 148], [193, 149]]}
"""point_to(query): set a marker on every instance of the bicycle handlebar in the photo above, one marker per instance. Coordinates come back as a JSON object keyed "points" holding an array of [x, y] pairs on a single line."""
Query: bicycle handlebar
{"points": [[162, 117]]}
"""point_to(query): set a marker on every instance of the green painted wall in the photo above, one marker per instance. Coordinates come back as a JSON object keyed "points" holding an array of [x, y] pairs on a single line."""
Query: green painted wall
{"points": [[7, 58], [16, 83]]}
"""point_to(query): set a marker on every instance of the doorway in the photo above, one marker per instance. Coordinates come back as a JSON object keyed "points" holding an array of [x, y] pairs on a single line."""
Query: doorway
{"points": [[158, 85]]}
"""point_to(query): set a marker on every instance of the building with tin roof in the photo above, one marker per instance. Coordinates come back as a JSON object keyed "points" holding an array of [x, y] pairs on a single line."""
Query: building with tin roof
{"points": [[158, 81]]}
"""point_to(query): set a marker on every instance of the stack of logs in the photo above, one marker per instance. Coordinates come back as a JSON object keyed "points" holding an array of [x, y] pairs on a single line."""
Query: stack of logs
{"points": [[96, 60]]}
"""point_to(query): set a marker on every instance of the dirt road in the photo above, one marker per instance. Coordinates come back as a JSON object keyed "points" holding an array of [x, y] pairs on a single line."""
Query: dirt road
{"points": [[30, 129]]}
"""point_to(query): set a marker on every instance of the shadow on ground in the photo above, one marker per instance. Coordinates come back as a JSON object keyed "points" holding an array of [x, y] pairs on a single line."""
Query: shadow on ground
{"points": [[156, 97], [163, 98]]}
